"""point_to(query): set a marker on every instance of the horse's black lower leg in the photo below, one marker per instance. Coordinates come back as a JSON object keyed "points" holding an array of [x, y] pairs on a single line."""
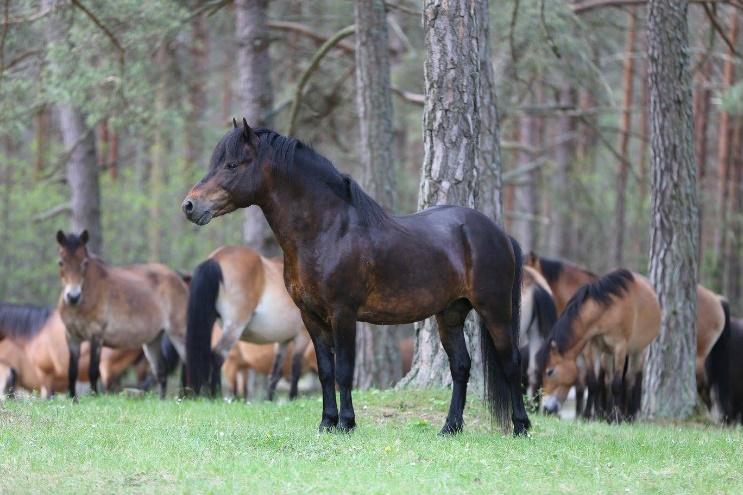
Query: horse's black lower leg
{"points": [[511, 365], [297, 359], [580, 391], [276, 369], [344, 333], [617, 403], [74, 348], [94, 365], [451, 324], [215, 375], [326, 373], [154, 355]]}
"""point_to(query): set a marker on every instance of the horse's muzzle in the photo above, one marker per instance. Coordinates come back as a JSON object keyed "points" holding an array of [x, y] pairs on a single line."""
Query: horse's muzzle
{"points": [[550, 405], [196, 211]]}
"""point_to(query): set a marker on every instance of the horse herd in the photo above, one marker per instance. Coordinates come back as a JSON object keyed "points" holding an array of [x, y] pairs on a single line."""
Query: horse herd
{"points": [[345, 259]]}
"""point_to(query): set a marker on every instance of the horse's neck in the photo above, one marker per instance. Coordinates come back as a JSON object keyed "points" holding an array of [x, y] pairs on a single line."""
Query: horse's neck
{"points": [[298, 214], [97, 271], [584, 327]]}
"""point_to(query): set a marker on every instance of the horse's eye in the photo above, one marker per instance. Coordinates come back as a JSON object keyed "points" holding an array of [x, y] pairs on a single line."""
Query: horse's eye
{"points": [[550, 371], [232, 165]]}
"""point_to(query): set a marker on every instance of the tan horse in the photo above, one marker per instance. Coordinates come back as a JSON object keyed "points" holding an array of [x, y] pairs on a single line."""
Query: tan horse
{"points": [[247, 293], [35, 347], [260, 358], [119, 307], [621, 314]]}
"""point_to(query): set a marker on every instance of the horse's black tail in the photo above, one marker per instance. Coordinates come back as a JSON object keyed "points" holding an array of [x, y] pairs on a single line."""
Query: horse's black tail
{"points": [[497, 381], [544, 306], [717, 364], [202, 313]]}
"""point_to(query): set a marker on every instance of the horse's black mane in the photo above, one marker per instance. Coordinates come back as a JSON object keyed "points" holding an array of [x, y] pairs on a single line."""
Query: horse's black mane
{"points": [[294, 158], [601, 290], [551, 268], [22, 321]]}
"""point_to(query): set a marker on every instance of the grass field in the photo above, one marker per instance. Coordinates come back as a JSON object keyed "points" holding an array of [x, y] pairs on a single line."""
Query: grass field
{"points": [[129, 445]]}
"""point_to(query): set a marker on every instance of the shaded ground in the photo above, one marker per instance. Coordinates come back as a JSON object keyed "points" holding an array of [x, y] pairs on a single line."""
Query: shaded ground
{"points": [[128, 445]]}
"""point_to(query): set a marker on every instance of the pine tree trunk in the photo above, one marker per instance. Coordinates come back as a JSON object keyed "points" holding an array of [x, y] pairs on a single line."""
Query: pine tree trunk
{"points": [[41, 139], [256, 99], [735, 242], [451, 131], [197, 93], [723, 156], [624, 134], [157, 151], [79, 143], [669, 382], [491, 162], [561, 228], [377, 352]]}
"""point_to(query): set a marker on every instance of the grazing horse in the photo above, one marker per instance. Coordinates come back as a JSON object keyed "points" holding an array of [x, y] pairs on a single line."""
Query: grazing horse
{"points": [[347, 260], [119, 307], [538, 315], [35, 347], [246, 292], [620, 313]]}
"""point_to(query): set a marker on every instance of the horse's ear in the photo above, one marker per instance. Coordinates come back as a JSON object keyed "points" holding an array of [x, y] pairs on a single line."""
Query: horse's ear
{"points": [[250, 135], [61, 238], [234, 123], [84, 237]]}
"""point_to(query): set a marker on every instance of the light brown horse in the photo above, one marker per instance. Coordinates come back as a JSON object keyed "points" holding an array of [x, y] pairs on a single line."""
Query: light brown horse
{"points": [[620, 313], [246, 292], [35, 347], [119, 307], [260, 358]]}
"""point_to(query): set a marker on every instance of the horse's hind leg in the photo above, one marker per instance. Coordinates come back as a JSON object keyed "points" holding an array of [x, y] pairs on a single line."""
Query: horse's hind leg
{"points": [[276, 369], [451, 331], [153, 352], [509, 358], [344, 339]]}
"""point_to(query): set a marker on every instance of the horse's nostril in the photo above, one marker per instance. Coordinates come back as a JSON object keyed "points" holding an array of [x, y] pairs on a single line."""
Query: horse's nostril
{"points": [[188, 206]]}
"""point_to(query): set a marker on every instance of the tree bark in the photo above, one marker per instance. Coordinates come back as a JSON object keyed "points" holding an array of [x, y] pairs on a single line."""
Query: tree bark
{"points": [[256, 99], [157, 150], [561, 226], [524, 197], [377, 352], [41, 139], [733, 246], [669, 382], [197, 92], [491, 163], [79, 144], [625, 127], [451, 132], [723, 156]]}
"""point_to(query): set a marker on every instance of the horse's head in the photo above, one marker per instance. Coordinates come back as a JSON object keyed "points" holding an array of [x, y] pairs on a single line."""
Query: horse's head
{"points": [[73, 263], [234, 180], [559, 374]]}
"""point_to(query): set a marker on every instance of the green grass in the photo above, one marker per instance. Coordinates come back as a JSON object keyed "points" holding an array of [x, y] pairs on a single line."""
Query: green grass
{"points": [[129, 445]]}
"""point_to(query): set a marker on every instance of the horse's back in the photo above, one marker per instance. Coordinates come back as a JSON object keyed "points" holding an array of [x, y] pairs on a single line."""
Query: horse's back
{"points": [[710, 322]]}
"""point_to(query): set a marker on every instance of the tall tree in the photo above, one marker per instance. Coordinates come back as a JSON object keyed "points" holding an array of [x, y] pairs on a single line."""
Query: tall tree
{"points": [[197, 90], [561, 229], [377, 353], [625, 126], [256, 98], [451, 132], [79, 144], [669, 383], [491, 162]]}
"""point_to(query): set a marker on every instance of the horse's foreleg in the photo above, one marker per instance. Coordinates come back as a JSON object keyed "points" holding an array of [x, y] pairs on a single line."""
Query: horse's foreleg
{"points": [[451, 332], [325, 369], [344, 334], [94, 365], [276, 369], [154, 354], [297, 360], [74, 347]]}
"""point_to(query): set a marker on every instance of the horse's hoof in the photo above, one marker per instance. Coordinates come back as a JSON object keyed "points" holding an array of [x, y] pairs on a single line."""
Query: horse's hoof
{"points": [[451, 429], [75, 400], [327, 425], [346, 425], [521, 431]]}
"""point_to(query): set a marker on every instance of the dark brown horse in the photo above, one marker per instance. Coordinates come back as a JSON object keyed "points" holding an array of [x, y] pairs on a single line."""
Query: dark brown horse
{"points": [[347, 260]]}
